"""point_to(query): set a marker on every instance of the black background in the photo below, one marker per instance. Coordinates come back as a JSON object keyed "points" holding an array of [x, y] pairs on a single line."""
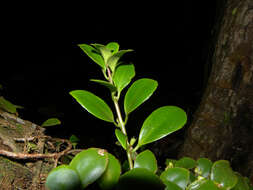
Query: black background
{"points": [[41, 62]]}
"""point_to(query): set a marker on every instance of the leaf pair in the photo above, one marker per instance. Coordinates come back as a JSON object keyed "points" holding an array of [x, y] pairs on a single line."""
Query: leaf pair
{"points": [[87, 167], [97, 107], [104, 55], [121, 78]]}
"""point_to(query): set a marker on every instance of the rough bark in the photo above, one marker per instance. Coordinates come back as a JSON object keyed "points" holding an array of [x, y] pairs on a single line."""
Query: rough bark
{"points": [[223, 124], [20, 166]]}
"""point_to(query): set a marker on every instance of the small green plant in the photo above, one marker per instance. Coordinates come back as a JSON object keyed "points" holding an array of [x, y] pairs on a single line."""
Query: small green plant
{"points": [[97, 165]]}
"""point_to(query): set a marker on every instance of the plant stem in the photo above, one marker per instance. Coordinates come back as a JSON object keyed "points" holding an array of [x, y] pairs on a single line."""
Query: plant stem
{"points": [[121, 122], [123, 129]]}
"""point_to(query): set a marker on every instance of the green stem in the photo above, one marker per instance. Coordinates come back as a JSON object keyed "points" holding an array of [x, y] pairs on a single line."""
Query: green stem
{"points": [[123, 129], [121, 122]]}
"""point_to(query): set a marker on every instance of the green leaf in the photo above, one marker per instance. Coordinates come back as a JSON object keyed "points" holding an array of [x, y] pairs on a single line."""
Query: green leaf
{"points": [[123, 76], [90, 164], [121, 138], [171, 186], [63, 178], [171, 162], [93, 54], [204, 185], [113, 46], [51, 122], [140, 178], [106, 53], [146, 159], [8, 106], [111, 87], [74, 139], [241, 184], [111, 175], [223, 174], [93, 104], [179, 176], [196, 184], [204, 166], [161, 123], [186, 162], [138, 93], [113, 60]]}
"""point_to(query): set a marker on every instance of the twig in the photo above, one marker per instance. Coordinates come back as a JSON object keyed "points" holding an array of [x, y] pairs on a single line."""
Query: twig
{"points": [[24, 156]]}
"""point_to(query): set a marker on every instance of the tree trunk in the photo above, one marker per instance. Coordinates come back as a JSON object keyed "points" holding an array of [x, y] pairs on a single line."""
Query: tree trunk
{"points": [[222, 127]]}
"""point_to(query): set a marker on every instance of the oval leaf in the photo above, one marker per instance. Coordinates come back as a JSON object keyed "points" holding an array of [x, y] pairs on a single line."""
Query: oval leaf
{"points": [[113, 60], [241, 184], [171, 186], [204, 185], [51, 122], [111, 87], [204, 166], [161, 123], [123, 76], [113, 46], [63, 178], [140, 178], [93, 54], [138, 93], [111, 175], [106, 53], [121, 138], [146, 159], [93, 104], [90, 164], [8, 106], [186, 162], [223, 174], [74, 139], [179, 176]]}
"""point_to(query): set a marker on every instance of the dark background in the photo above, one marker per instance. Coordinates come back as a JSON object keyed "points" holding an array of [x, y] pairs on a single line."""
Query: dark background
{"points": [[41, 63]]}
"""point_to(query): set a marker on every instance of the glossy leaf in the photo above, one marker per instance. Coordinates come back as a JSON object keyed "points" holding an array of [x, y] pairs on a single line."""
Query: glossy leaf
{"points": [[204, 166], [111, 175], [204, 185], [241, 183], [113, 46], [93, 104], [160, 123], [223, 174], [93, 54], [63, 178], [140, 178], [123, 76], [138, 93], [114, 60], [121, 138], [196, 184], [186, 162], [171, 186], [146, 159], [90, 164], [51, 122], [179, 176], [108, 85]]}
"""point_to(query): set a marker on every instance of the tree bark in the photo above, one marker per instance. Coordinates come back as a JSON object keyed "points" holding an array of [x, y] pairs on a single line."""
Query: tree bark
{"points": [[23, 166], [222, 127]]}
